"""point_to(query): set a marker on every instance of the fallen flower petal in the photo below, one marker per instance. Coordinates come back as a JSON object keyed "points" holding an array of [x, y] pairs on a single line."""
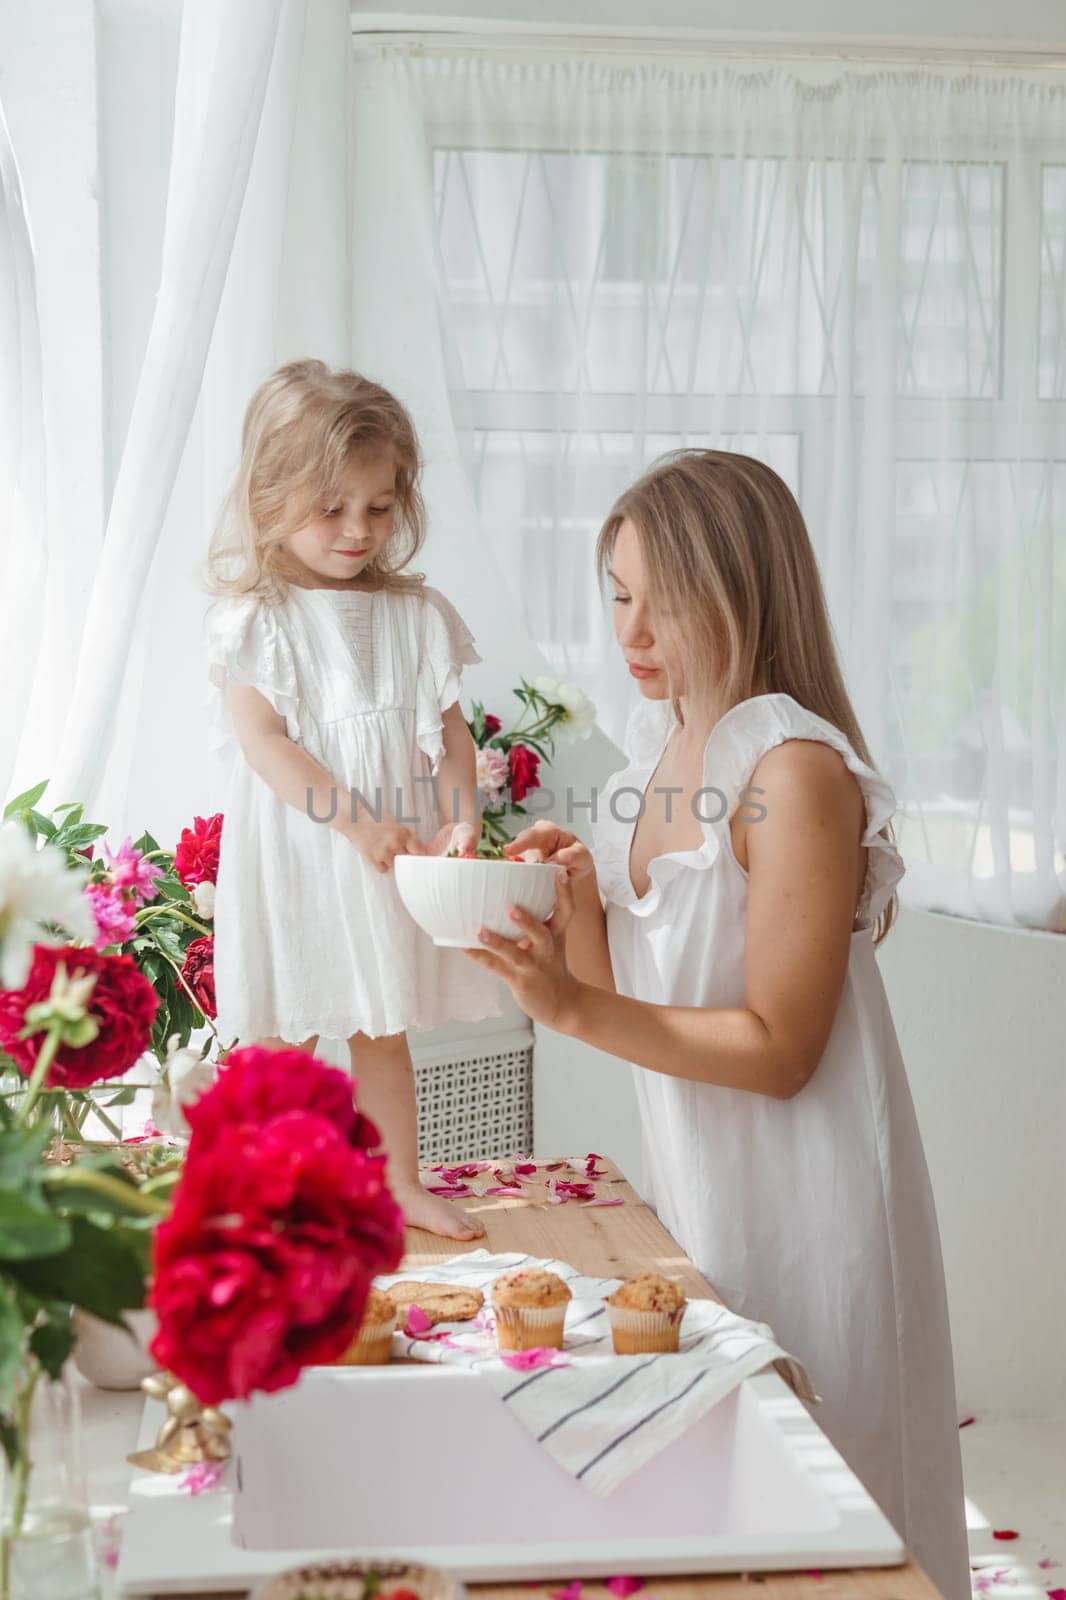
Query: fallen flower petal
{"points": [[622, 1587], [967, 1422], [417, 1321], [529, 1360], [201, 1477], [525, 1168], [458, 1191], [1004, 1533], [1057, 1594], [1045, 1562], [571, 1592], [511, 1189], [600, 1201]]}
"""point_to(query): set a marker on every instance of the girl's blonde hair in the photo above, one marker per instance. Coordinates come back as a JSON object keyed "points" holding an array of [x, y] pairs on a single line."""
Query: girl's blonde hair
{"points": [[303, 429], [728, 559]]}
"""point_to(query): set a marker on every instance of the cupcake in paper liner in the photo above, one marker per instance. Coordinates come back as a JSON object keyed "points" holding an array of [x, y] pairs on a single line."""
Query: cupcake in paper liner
{"points": [[372, 1345], [530, 1306], [645, 1315]]}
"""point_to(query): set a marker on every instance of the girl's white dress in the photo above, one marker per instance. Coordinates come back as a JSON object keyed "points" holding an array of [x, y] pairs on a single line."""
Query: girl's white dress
{"points": [[310, 937], [813, 1214]]}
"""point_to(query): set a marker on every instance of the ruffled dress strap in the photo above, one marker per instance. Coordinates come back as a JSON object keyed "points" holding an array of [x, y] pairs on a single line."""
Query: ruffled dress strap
{"points": [[445, 647], [745, 734], [246, 643]]}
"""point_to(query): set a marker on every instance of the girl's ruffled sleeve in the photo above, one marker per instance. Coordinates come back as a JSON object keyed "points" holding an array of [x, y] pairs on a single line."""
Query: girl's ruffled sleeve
{"points": [[246, 644], [446, 646]]}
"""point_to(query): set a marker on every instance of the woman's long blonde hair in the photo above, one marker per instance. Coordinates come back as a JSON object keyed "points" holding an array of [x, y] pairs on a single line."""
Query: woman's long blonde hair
{"points": [[727, 555], [303, 429]]}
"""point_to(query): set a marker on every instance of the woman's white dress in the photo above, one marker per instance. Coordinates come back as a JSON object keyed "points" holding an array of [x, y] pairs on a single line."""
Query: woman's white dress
{"points": [[309, 937], [813, 1214]]}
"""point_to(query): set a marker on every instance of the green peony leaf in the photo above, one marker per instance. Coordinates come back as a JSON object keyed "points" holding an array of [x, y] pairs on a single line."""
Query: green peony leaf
{"points": [[28, 1229], [26, 800], [98, 1271], [52, 1343]]}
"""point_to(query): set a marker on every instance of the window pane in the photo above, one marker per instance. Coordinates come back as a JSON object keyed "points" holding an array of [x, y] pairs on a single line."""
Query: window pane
{"points": [[673, 274]]}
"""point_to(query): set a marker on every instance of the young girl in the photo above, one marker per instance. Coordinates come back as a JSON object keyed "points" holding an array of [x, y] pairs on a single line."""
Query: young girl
{"points": [[337, 676], [721, 937]]}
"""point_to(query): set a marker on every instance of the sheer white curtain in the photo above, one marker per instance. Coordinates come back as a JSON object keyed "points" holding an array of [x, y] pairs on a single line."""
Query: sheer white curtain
{"points": [[23, 481], [256, 268], [858, 277]]}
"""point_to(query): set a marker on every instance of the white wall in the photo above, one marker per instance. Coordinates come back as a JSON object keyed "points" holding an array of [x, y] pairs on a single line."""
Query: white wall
{"points": [[1026, 24], [981, 1016]]}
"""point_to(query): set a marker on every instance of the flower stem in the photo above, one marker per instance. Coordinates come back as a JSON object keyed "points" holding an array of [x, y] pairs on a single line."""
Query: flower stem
{"points": [[101, 1183], [169, 911], [45, 1057], [20, 1477]]}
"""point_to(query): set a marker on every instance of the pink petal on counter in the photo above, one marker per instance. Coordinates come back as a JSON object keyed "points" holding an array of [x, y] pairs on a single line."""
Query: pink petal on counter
{"points": [[457, 1191], [618, 1200], [529, 1360], [417, 1321], [623, 1587], [571, 1592], [511, 1189], [1004, 1533]]}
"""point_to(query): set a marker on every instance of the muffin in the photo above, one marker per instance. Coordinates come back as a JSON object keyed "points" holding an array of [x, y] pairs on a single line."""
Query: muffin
{"points": [[530, 1309], [645, 1315], [372, 1345]]}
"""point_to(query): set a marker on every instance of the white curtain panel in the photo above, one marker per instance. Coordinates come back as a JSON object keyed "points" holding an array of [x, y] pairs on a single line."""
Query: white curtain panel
{"points": [[23, 474], [255, 269], [859, 277]]}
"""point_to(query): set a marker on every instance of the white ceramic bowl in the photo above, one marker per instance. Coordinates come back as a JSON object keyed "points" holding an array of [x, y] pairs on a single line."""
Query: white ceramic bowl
{"points": [[451, 899]]}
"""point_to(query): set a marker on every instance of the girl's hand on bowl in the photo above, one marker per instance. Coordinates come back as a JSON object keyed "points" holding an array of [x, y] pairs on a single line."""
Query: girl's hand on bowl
{"points": [[462, 837], [558, 848], [380, 843]]}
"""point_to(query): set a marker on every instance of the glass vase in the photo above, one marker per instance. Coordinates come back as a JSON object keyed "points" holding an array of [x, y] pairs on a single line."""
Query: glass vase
{"points": [[46, 1546]]}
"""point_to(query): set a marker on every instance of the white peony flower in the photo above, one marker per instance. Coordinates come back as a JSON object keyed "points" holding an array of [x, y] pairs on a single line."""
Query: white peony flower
{"points": [[580, 710], [185, 1078], [203, 898], [36, 886]]}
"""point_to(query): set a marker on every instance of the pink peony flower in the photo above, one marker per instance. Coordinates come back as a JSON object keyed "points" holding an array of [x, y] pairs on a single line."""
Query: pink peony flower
{"points": [[493, 774], [129, 870], [113, 912]]}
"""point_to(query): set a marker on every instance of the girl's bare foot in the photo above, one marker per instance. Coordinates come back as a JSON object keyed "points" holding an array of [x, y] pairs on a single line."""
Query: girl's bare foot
{"points": [[429, 1211]]}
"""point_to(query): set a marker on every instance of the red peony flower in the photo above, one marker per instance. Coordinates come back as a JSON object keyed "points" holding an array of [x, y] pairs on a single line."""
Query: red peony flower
{"points": [[524, 763], [198, 970], [123, 1003], [492, 725], [256, 1085], [196, 858], [264, 1265]]}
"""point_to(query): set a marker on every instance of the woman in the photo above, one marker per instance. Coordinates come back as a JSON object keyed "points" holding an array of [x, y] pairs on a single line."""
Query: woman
{"points": [[720, 937]]}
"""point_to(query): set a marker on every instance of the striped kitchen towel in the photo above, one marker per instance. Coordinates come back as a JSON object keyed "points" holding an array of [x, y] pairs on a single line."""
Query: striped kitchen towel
{"points": [[601, 1416]]}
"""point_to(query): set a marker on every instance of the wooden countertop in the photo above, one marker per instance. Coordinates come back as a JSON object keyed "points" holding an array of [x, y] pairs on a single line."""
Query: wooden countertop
{"points": [[617, 1241]]}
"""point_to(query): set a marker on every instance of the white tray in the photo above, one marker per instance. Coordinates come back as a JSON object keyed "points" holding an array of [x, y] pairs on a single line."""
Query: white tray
{"points": [[427, 1464]]}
